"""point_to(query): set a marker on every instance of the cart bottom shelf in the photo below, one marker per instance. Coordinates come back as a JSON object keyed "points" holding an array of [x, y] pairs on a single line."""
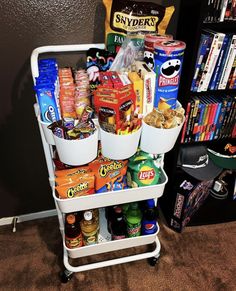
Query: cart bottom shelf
{"points": [[105, 263], [105, 244]]}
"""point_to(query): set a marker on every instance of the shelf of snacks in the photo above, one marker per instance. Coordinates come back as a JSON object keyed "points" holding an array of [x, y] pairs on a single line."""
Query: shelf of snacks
{"points": [[97, 200]]}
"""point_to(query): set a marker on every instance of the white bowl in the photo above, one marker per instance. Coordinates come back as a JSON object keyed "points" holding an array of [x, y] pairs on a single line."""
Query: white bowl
{"points": [[47, 132], [158, 140], [77, 152], [119, 147]]}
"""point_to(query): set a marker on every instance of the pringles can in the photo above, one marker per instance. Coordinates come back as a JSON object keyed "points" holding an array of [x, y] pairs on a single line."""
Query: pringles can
{"points": [[149, 41], [168, 60]]}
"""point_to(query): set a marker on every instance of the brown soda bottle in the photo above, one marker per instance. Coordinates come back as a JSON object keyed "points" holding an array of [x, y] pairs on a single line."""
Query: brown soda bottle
{"points": [[118, 225], [73, 234]]}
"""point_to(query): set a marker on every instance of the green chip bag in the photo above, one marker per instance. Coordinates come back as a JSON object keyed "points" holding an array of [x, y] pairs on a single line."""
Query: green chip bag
{"points": [[142, 170]]}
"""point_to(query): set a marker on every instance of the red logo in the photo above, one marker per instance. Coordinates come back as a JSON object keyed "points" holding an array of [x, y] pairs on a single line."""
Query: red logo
{"points": [[146, 175], [162, 82]]}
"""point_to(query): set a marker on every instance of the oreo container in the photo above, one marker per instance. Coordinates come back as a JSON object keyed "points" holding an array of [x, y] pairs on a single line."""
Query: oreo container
{"points": [[168, 60], [149, 41]]}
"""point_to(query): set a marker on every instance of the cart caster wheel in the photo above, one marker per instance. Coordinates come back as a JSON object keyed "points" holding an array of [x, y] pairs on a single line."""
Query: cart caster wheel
{"points": [[66, 276], [152, 261]]}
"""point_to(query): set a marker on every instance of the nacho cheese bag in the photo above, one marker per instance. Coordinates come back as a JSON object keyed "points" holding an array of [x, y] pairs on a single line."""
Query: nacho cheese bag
{"points": [[131, 17]]}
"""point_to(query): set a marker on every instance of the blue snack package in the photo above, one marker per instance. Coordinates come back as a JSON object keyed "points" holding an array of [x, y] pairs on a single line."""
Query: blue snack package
{"points": [[47, 104]]}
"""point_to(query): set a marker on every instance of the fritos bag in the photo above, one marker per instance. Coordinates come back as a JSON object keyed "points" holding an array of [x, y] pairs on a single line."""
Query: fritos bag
{"points": [[131, 17]]}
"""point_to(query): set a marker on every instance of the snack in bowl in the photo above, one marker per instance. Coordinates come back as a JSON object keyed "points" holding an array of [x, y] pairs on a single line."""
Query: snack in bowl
{"points": [[168, 118]]}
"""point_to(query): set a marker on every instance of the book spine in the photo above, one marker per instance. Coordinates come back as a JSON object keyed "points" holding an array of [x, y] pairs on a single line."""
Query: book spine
{"points": [[209, 121], [203, 62], [231, 75], [194, 119], [223, 62], [204, 123], [228, 10], [215, 120], [226, 117], [212, 119], [223, 9], [212, 85], [187, 137], [211, 62], [185, 122], [230, 120], [233, 80], [200, 122], [220, 118], [228, 64], [203, 44]]}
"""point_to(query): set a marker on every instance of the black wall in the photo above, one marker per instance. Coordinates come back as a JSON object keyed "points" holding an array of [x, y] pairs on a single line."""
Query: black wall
{"points": [[25, 25]]}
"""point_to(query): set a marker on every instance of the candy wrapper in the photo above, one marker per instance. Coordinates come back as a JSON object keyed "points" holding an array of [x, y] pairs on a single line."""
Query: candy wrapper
{"points": [[75, 129]]}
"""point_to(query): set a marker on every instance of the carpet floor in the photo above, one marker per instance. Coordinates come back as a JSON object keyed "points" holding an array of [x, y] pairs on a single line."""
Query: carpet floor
{"points": [[201, 258]]}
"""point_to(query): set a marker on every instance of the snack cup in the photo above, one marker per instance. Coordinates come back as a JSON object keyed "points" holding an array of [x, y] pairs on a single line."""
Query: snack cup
{"points": [[158, 140], [77, 152], [47, 132], [119, 147]]}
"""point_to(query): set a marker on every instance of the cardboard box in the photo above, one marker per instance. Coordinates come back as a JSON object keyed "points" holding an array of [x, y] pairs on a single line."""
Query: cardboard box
{"points": [[185, 198]]}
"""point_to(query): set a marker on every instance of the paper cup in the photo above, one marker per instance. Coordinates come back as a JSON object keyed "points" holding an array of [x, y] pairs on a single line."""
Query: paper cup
{"points": [[158, 140], [77, 152], [119, 147], [47, 132]]}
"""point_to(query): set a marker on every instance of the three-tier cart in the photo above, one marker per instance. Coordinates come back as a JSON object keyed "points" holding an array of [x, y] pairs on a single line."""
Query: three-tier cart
{"points": [[100, 200]]}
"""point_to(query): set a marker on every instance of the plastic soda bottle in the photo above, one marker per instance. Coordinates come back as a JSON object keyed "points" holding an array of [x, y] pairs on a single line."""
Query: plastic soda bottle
{"points": [[149, 221], [118, 225], [133, 220], [73, 235], [89, 227]]}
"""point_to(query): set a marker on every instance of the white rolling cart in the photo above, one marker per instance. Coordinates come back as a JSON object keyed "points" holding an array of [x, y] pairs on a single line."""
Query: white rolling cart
{"points": [[96, 200]]}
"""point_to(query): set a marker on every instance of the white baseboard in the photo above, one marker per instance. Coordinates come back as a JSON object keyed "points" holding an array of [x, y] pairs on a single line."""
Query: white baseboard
{"points": [[27, 217]]}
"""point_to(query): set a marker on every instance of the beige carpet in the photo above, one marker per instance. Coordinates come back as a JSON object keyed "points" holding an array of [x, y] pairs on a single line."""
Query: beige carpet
{"points": [[201, 258]]}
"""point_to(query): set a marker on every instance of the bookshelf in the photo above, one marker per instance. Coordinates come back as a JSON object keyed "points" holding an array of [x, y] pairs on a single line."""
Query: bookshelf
{"points": [[191, 23]]}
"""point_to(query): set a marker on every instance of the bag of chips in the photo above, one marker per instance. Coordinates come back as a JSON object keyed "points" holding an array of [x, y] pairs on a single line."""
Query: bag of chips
{"points": [[143, 170], [132, 17]]}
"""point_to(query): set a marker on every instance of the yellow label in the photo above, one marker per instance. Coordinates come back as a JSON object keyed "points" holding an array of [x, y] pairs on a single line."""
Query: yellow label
{"points": [[106, 169], [146, 175], [132, 23], [78, 188]]}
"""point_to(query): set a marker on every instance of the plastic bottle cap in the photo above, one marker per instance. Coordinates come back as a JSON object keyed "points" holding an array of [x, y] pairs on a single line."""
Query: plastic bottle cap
{"points": [[88, 215], [150, 203], [134, 205], [118, 209], [70, 218]]}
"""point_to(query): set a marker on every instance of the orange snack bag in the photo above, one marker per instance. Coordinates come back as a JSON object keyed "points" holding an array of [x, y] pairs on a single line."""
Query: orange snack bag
{"points": [[108, 171], [70, 179], [73, 171], [81, 187]]}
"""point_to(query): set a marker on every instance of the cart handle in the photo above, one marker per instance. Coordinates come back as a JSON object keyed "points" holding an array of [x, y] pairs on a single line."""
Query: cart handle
{"points": [[58, 48]]}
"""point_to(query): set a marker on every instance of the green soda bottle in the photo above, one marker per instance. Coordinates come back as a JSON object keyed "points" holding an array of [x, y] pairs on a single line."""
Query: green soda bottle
{"points": [[133, 219]]}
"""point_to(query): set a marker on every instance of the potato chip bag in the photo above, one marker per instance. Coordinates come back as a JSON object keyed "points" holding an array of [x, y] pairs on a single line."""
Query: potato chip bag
{"points": [[132, 17], [81, 187], [142, 170]]}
